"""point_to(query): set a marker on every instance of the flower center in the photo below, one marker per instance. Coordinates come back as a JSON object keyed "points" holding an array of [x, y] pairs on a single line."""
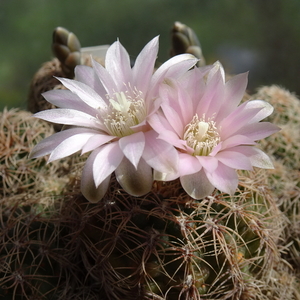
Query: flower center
{"points": [[126, 109], [201, 135]]}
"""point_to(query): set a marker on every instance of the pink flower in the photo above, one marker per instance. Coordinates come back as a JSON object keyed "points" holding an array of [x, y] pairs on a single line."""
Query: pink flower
{"points": [[108, 109], [213, 136]]}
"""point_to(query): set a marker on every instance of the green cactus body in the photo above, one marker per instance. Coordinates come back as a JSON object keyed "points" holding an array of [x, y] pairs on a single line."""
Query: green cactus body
{"points": [[56, 245], [168, 246]]}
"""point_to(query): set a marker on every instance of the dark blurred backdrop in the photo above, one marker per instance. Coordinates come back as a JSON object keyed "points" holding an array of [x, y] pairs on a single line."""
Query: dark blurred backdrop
{"points": [[262, 36]]}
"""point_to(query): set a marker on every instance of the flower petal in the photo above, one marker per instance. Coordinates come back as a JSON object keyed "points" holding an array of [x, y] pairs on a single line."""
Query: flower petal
{"points": [[258, 131], [209, 163], [174, 118], [70, 145], [212, 97], [105, 160], [66, 99], [117, 63], [234, 160], [136, 181], [47, 145], [197, 185], [87, 185], [224, 179], [188, 164], [257, 157], [68, 117], [173, 68], [160, 155], [234, 91], [231, 142], [85, 92], [88, 76], [133, 147], [144, 65], [266, 109], [105, 78], [96, 141], [159, 176], [237, 120]]}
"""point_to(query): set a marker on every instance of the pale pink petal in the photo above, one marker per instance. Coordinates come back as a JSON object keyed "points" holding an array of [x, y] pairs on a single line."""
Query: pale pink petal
{"points": [[160, 155], [258, 131], [105, 160], [197, 185], [47, 145], [266, 109], [86, 93], [117, 63], [70, 145], [224, 179], [133, 147], [96, 141], [105, 78], [194, 83], [136, 181], [209, 163], [235, 141], [176, 105], [257, 157], [261, 159], [159, 176], [188, 164], [234, 160], [144, 65], [87, 185], [172, 138], [88, 76], [217, 68], [185, 105], [174, 118], [174, 67], [234, 91], [237, 119], [68, 117], [212, 97], [66, 99], [159, 123]]}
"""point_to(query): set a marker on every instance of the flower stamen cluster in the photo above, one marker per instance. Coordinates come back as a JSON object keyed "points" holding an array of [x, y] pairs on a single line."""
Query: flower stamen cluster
{"points": [[124, 112], [201, 135]]}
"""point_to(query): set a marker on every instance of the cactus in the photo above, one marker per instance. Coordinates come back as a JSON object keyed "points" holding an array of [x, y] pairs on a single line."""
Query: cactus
{"points": [[284, 179], [54, 244], [168, 246], [24, 179], [164, 245], [68, 54]]}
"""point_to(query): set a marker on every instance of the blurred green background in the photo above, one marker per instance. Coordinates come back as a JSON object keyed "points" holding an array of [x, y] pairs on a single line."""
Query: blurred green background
{"points": [[262, 36]]}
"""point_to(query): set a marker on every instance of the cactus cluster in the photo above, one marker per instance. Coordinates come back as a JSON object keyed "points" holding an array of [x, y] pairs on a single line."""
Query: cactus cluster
{"points": [[284, 180], [54, 244], [166, 245]]}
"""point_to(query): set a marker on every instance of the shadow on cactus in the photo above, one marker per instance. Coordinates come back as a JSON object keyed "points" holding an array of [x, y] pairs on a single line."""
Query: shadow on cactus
{"points": [[31, 254]]}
